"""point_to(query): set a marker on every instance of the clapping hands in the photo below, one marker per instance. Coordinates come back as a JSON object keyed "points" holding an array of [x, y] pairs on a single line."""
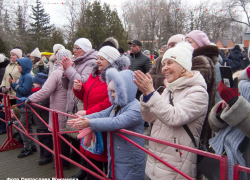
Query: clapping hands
{"points": [[79, 123]]}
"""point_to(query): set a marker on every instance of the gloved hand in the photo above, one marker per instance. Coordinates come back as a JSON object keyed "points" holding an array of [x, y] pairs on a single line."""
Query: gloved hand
{"points": [[27, 101], [23, 99], [1, 105], [5, 89], [88, 136], [229, 95]]}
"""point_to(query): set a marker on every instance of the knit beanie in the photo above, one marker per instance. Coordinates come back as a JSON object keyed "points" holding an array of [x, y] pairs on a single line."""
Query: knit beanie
{"points": [[36, 53], [199, 37], [109, 53], [111, 42], [40, 78], [181, 53], [176, 38], [56, 47], [2, 58], [84, 44], [63, 52], [17, 52]]}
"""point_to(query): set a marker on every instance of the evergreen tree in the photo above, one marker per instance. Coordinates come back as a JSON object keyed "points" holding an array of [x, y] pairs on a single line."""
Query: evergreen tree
{"points": [[99, 23], [41, 28]]}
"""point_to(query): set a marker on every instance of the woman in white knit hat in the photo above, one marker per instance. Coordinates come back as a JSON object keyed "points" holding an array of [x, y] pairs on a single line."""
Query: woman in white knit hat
{"points": [[94, 94], [183, 102], [38, 65]]}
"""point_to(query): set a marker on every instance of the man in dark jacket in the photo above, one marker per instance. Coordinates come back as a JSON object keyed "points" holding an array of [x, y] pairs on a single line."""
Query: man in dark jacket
{"points": [[139, 61]]}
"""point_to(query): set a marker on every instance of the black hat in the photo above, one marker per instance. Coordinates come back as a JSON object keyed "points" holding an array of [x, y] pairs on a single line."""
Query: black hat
{"points": [[136, 42]]}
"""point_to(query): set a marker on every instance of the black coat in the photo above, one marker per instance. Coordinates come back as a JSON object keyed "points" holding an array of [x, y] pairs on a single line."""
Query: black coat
{"points": [[140, 62], [235, 59], [3, 65]]}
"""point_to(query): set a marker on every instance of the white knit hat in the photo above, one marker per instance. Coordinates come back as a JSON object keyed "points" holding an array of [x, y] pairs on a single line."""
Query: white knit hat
{"points": [[63, 52], [17, 52], [181, 53], [36, 53], [56, 47], [84, 44], [2, 58], [109, 53]]}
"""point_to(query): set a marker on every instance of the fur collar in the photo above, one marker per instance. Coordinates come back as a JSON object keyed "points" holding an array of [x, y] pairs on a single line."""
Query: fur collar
{"points": [[210, 51], [120, 64]]}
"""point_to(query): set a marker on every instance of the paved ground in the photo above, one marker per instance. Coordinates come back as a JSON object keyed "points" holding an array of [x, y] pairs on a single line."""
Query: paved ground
{"points": [[13, 167]]}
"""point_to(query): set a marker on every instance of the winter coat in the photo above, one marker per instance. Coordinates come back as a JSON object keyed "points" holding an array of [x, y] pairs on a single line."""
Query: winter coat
{"points": [[156, 73], [53, 89], [44, 114], [235, 59], [37, 68], [245, 61], [24, 86], [13, 70], [190, 101], [204, 60], [3, 66], [94, 94], [140, 62], [81, 69], [218, 79], [129, 160]]}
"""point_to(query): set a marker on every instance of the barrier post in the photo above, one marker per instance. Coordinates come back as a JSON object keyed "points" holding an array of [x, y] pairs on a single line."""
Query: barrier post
{"points": [[223, 168], [56, 156], [112, 155], [236, 172]]}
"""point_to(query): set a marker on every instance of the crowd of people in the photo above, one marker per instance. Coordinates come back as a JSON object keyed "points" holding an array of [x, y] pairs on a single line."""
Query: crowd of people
{"points": [[180, 95]]}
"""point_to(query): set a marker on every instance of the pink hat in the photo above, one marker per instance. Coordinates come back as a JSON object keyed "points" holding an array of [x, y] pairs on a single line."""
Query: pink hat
{"points": [[199, 37], [17, 52], [176, 38]]}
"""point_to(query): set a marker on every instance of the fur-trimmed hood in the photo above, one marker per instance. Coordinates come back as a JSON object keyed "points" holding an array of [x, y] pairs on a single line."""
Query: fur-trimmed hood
{"points": [[125, 88], [120, 64], [210, 51]]}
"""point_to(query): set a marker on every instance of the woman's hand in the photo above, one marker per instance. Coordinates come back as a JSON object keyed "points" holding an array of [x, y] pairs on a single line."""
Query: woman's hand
{"points": [[66, 62], [79, 123], [81, 113], [144, 82], [11, 81], [78, 85]]}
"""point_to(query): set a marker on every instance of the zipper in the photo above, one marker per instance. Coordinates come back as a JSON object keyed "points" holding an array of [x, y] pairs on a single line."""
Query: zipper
{"points": [[176, 143]]}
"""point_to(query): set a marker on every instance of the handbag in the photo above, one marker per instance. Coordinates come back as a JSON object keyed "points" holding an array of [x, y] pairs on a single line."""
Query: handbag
{"points": [[96, 147], [207, 166]]}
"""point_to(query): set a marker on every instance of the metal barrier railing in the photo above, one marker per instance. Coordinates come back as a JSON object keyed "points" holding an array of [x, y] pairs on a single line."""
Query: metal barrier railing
{"points": [[11, 143]]}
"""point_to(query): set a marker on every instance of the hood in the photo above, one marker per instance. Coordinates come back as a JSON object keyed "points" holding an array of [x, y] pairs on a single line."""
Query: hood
{"points": [[210, 51], [120, 64], [125, 88], [26, 64], [196, 80], [5, 63], [92, 54]]}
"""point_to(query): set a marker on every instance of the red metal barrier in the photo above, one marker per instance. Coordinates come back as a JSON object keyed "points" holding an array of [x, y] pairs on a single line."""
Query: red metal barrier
{"points": [[238, 169], [11, 143]]}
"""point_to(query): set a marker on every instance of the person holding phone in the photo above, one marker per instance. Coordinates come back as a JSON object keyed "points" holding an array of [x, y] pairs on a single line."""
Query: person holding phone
{"points": [[230, 118]]}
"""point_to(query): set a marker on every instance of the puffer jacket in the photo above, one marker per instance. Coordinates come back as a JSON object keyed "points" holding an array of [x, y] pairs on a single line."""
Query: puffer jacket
{"points": [[235, 59], [25, 83], [129, 160], [190, 101], [81, 69], [13, 70], [53, 89]]}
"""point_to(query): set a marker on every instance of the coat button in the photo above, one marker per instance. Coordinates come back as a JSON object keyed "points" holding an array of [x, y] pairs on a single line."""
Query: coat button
{"points": [[118, 147]]}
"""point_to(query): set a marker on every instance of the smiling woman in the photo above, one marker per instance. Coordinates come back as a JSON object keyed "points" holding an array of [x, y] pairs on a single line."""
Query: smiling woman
{"points": [[183, 102]]}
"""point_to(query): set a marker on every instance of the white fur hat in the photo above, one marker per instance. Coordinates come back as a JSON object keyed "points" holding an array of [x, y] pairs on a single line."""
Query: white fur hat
{"points": [[109, 53], [181, 53], [84, 44], [56, 47], [36, 53], [2, 58]]}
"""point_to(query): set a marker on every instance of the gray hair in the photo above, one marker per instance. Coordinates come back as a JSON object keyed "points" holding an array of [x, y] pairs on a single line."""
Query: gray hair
{"points": [[146, 52]]}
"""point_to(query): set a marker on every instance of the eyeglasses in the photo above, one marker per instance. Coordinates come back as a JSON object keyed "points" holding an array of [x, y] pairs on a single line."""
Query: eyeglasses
{"points": [[76, 48]]}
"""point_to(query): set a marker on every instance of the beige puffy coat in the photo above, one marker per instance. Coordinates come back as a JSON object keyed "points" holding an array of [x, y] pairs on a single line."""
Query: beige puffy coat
{"points": [[13, 70], [190, 101]]}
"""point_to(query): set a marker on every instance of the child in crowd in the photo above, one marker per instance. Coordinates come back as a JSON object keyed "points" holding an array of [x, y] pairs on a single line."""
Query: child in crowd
{"points": [[23, 89]]}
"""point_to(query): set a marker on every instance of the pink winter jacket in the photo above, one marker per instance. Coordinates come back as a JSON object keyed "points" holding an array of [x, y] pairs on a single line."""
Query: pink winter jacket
{"points": [[190, 101], [58, 95]]}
